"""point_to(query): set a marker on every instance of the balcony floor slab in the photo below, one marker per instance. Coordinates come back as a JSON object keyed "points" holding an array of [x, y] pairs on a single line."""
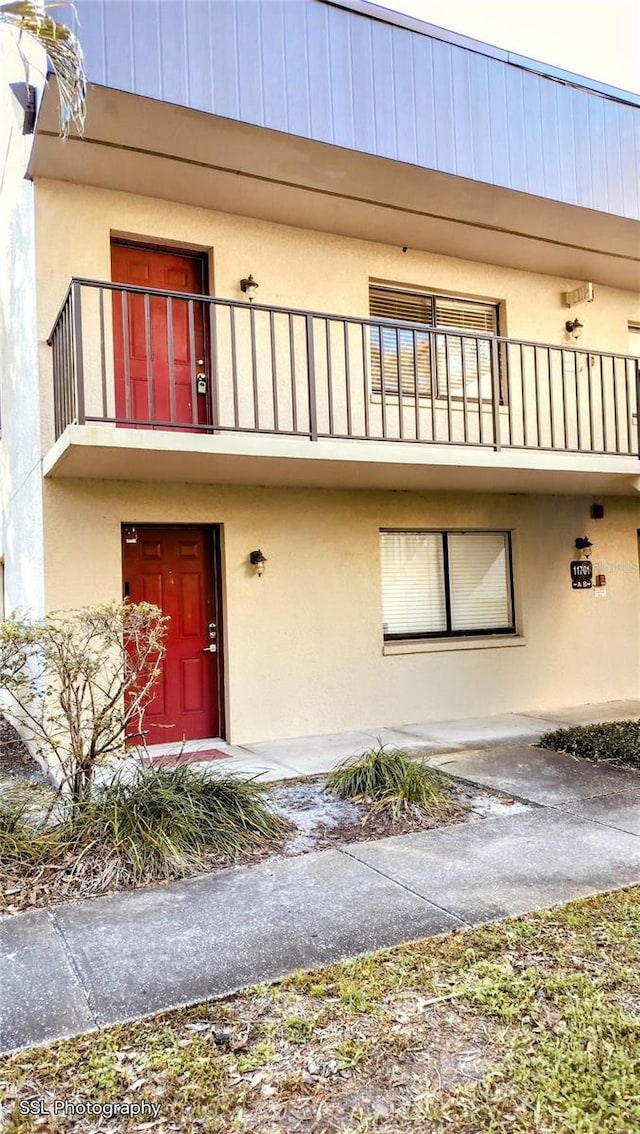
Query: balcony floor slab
{"points": [[99, 452]]}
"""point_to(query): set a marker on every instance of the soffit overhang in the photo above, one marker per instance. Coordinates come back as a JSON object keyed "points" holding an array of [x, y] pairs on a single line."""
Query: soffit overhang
{"points": [[148, 147]]}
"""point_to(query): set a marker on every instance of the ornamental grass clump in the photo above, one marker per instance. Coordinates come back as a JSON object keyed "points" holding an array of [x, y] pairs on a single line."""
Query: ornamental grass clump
{"points": [[388, 779], [612, 742], [166, 822], [25, 845]]}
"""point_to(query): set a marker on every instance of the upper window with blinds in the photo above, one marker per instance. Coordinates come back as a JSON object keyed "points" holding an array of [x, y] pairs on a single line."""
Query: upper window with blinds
{"points": [[404, 355]]}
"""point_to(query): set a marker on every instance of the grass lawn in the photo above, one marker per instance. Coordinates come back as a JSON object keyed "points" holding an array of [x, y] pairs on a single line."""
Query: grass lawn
{"points": [[531, 1025]]}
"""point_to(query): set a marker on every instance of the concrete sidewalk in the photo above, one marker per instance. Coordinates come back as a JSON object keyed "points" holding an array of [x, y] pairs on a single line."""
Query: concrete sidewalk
{"points": [[83, 965], [314, 755]]}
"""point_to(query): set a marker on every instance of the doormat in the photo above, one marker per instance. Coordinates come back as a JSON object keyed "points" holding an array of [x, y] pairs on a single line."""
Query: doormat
{"points": [[173, 759]]}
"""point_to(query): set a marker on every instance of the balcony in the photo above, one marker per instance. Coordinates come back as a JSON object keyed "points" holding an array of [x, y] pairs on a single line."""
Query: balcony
{"points": [[167, 385]]}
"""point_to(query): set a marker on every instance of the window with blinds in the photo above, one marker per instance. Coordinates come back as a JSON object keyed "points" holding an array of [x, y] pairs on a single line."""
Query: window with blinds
{"points": [[402, 356], [446, 584]]}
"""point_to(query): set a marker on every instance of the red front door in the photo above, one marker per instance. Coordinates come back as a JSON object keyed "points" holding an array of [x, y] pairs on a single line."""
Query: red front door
{"points": [[177, 569], [159, 343]]}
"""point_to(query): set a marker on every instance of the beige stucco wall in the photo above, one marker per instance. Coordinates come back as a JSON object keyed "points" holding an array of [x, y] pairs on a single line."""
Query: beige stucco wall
{"points": [[303, 645], [295, 268]]}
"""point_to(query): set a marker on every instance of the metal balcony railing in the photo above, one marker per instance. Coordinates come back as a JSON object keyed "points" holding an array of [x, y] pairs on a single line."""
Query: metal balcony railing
{"points": [[140, 358]]}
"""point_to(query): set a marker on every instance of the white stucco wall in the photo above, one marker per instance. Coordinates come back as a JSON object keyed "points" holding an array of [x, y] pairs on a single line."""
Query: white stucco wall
{"points": [[20, 450]]}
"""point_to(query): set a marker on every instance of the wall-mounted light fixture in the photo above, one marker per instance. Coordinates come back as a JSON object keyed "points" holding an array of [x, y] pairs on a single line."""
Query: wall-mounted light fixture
{"points": [[26, 96], [257, 561], [584, 545], [573, 327], [249, 287]]}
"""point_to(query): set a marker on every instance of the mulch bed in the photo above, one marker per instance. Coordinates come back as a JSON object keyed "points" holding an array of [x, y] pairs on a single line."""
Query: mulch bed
{"points": [[317, 821], [333, 822]]}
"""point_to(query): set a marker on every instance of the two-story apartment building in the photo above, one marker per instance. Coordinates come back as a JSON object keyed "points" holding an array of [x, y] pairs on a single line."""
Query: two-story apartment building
{"points": [[358, 294]]}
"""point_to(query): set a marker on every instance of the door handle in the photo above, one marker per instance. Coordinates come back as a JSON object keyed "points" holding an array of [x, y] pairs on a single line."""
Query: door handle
{"points": [[210, 649]]}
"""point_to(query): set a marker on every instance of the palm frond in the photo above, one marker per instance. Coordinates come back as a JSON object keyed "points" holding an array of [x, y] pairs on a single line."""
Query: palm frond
{"points": [[63, 51]]}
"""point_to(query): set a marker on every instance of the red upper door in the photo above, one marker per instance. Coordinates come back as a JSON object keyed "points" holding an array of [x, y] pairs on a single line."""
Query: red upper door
{"points": [[176, 568], [159, 342]]}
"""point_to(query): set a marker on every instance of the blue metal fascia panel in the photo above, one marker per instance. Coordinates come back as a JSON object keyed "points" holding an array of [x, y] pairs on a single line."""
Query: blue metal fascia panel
{"points": [[349, 74], [421, 27], [482, 139], [296, 70]]}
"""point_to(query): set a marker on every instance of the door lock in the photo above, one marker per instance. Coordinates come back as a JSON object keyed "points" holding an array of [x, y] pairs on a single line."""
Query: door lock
{"points": [[212, 629], [201, 383]]}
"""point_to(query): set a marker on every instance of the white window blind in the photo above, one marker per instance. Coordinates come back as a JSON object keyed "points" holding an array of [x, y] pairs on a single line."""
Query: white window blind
{"points": [[413, 598], [405, 306], [438, 584], [467, 315], [463, 364], [479, 581], [403, 356]]}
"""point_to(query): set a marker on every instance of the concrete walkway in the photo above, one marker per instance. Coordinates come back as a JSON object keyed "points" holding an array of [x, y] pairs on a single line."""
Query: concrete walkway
{"points": [[83, 965], [314, 755]]}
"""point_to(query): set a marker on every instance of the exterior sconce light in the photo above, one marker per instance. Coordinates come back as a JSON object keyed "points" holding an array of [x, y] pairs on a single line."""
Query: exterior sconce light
{"points": [[26, 96], [584, 545], [257, 561], [574, 327], [249, 287]]}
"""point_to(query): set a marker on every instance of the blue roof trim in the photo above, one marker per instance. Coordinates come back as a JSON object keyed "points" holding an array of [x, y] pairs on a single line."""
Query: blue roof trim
{"points": [[547, 70], [356, 76]]}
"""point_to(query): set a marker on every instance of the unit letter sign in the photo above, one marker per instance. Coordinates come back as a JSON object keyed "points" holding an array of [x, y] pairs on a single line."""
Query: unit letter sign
{"points": [[581, 574]]}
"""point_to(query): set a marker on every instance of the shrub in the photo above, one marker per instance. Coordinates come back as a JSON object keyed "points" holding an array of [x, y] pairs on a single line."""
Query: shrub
{"points": [[165, 824], [168, 820], [389, 779], [613, 742], [78, 680]]}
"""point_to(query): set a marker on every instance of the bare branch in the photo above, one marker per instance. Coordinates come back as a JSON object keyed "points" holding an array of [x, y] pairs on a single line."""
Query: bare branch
{"points": [[79, 679]]}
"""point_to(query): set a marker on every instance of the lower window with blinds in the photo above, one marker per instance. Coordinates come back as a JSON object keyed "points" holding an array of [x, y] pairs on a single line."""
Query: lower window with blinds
{"points": [[446, 584]]}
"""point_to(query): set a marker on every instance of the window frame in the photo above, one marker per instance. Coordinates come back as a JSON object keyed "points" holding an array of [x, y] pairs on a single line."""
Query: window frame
{"points": [[449, 633], [437, 391]]}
